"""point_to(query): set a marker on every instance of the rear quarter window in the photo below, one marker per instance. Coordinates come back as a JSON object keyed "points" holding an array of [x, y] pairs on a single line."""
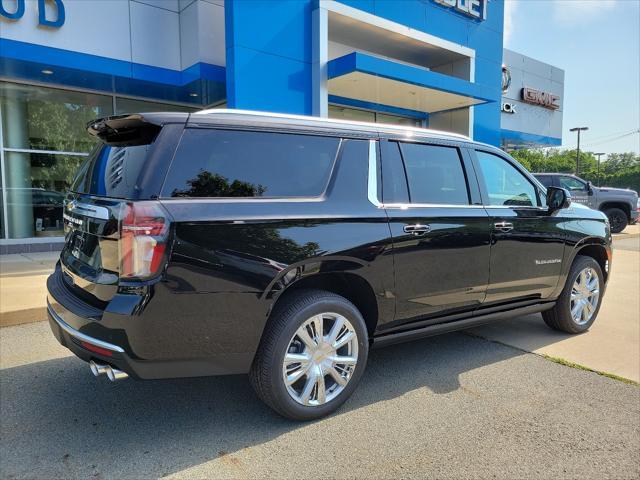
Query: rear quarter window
{"points": [[111, 171], [230, 163]]}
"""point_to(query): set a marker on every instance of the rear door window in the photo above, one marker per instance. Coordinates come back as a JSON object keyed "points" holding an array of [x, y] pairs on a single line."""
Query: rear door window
{"points": [[434, 174], [545, 180], [230, 163], [394, 179]]}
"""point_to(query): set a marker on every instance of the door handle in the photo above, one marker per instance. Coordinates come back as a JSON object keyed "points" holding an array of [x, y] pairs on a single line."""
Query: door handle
{"points": [[417, 229], [503, 226]]}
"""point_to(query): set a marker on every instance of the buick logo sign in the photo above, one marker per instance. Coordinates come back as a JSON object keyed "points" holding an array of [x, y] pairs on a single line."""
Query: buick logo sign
{"points": [[508, 107], [506, 78]]}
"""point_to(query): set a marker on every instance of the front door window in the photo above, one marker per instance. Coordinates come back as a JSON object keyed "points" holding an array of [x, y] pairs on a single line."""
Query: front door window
{"points": [[505, 185], [573, 184]]}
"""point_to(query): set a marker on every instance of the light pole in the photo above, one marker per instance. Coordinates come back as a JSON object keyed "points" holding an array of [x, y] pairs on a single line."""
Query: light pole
{"points": [[578, 129], [599, 155]]}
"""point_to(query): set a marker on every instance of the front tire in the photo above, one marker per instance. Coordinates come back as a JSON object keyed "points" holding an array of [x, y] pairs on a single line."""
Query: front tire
{"points": [[617, 219], [580, 300], [312, 355]]}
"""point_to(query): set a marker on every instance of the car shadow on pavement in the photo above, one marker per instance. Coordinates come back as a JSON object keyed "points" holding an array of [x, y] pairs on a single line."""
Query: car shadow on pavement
{"points": [[57, 420]]}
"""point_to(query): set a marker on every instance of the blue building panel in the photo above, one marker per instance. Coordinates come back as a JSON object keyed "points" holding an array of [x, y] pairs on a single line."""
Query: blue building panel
{"points": [[277, 27], [267, 82], [269, 56]]}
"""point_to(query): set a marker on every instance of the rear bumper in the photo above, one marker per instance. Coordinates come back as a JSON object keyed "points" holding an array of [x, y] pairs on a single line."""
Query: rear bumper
{"points": [[86, 347], [114, 336]]}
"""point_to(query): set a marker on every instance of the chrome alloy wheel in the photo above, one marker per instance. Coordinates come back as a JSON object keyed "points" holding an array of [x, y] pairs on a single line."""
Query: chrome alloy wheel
{"points": [[584, 296], [320, 359]]}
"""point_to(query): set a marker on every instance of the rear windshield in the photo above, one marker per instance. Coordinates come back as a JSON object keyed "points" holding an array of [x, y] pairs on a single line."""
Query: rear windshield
{"points": [[111, 171], [228, 163]]}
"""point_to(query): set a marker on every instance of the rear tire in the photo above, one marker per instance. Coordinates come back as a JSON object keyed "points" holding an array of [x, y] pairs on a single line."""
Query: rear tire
{"points": [[304, 375], [580, 300], [617, 219]]}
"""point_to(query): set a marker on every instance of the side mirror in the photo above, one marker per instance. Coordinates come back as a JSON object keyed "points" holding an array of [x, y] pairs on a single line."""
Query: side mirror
{"points": [[589, 189], [557, 198]]}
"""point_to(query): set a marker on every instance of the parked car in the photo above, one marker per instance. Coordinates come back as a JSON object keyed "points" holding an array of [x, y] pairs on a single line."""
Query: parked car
{"points": [[46, 206], [286, 247], [619, 205]]}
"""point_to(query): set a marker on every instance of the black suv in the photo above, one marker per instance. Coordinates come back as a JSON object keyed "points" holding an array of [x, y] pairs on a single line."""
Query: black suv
{"points": [[227, 242]]}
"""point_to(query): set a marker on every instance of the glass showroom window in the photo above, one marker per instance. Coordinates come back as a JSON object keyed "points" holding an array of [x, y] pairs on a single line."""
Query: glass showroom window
{"points": [[131, 105], [43, 142], [356, 114]]}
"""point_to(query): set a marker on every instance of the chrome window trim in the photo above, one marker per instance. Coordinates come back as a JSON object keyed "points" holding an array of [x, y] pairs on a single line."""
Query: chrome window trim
{"points": [[519, 207], [407, 206], [372, 190], [239, 200], [81, 336], [48, 152]]}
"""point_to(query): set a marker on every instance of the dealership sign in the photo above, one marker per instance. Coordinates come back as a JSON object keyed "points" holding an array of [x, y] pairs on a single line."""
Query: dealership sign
{"points": [[544, 99], [508, 107], [473, 8], [18, 8]]}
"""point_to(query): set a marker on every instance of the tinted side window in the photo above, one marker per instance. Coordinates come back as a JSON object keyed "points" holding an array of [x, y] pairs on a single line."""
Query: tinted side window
{"points": [[572, 184], [545, 180], [229, 163], [505, 185], [111, 171], [434, 174], [394, 180]]}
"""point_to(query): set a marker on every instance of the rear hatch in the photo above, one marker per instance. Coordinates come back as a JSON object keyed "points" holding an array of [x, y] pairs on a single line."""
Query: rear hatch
{"points": [[113, 230]]}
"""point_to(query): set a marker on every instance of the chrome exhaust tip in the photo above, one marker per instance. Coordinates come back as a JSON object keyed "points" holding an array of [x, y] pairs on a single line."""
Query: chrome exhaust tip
{"points": [[98, 369], [114, 374]]}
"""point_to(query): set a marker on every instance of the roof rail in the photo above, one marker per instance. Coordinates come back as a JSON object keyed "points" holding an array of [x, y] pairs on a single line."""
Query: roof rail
{"points": [[376, 126]]}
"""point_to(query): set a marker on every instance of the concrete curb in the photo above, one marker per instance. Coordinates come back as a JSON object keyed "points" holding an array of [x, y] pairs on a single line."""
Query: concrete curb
{"points": [[18, 317], [625, 236]]}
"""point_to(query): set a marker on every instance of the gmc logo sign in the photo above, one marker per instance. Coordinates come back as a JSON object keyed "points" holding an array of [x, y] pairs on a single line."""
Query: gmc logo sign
{"points": [[536, 97]]}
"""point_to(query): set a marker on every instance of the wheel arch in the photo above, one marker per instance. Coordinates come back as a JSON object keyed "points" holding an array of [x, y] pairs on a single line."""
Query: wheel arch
{"points": [[625, 207], [349, 285], [597, 250]]}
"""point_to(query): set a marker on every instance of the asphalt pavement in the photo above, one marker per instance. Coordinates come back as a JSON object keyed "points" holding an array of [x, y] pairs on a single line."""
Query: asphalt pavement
{"points": [[453, 406]]}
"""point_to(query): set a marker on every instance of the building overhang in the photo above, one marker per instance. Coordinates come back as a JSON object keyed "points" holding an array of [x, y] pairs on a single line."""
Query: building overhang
{"points": [[373, 79], [29, 62]]}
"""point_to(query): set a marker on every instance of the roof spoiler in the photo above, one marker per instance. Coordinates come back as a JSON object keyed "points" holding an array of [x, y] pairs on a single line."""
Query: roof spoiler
{"points": [[132, 129]]}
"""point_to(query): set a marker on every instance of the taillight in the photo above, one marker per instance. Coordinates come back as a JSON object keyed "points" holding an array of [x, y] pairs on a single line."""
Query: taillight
{"points": [[143, 239]]}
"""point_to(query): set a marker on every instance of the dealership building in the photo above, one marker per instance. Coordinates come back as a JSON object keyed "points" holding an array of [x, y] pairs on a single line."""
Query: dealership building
{"points": [[432, 63]]}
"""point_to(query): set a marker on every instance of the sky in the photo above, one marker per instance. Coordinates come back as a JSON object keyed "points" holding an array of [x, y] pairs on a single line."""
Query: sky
{"points": [[597, 44]]}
